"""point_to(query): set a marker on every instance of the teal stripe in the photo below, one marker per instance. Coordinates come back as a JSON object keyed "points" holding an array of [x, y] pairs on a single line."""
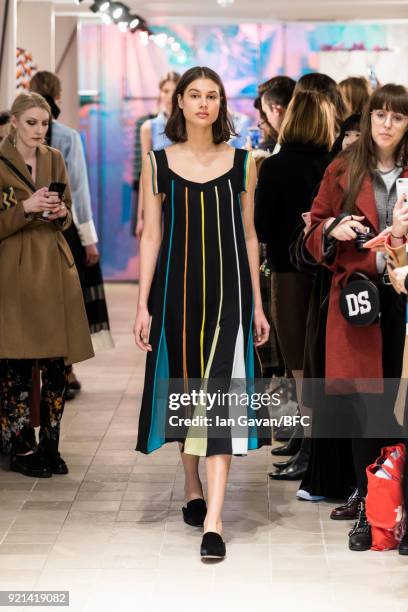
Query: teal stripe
{"points": [[153, 172], [159, 406], [245, 169]]}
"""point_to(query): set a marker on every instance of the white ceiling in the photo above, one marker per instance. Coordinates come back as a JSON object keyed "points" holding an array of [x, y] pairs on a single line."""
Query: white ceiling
{"points": [[255, 10]]}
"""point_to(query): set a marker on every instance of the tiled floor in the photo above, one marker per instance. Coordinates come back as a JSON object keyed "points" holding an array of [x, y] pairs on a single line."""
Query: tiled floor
{"points": [[111, 532]]}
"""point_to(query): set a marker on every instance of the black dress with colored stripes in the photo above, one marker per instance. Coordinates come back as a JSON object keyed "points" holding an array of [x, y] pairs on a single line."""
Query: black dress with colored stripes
{"points": [[202, 315]]}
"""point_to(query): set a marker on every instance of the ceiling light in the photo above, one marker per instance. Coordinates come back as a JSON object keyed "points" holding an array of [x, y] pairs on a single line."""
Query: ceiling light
{"points": [[117, 13], [134, 23], [123, 26], [99, 5], [175, 46], [106, 19], [224, 3], [104, 6]]}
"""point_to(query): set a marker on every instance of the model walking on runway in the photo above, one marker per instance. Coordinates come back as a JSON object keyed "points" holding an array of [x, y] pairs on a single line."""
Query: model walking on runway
{"points": [[204, 301]]}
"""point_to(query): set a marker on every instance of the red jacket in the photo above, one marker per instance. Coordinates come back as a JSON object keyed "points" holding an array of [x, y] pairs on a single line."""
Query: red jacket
{"points": [[351, 352]]}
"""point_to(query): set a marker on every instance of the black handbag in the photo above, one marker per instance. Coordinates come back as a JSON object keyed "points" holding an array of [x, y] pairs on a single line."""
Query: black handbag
{"points": [[360, 301]]}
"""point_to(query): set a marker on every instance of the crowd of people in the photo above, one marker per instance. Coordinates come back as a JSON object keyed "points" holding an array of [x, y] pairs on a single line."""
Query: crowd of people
{"points": [[316, 198]]}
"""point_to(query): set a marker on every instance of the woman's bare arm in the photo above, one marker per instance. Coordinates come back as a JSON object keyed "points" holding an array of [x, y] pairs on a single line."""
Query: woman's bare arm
{"points": [[149, 250]]}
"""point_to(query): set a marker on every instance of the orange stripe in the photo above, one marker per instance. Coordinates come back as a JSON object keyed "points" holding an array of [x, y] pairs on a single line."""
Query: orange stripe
{"points": [[185, 372]]}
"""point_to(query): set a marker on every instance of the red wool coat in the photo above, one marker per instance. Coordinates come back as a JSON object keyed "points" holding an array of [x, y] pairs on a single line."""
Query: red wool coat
{"points": [[351, 352]]}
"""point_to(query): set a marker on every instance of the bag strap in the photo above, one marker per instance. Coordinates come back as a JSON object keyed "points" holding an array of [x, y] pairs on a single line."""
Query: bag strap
{"points": [[335, 223], [19, 174]]}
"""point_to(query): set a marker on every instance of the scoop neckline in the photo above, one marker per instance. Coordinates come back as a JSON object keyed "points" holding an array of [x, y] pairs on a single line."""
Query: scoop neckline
{"points": [[214, 180]]}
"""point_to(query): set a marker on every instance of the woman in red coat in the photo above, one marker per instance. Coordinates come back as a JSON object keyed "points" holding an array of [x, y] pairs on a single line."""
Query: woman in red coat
{"points": [[357, 195]]}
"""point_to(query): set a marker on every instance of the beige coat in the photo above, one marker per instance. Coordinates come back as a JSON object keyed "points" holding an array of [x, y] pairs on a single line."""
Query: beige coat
{"points": [[42, 313]]}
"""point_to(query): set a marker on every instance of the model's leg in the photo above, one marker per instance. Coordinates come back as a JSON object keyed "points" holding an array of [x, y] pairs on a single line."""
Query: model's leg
{"points": [[193, 488], [217, 477]]}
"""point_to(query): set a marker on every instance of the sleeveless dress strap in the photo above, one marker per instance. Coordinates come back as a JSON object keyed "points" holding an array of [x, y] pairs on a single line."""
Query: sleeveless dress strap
{"points": [[158, 161], [242, 166]]}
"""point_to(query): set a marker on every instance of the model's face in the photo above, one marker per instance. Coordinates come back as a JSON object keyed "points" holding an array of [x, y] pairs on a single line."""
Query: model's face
{"points": [[166, 95], [274, 113], [4, 130], [349, 137], [31, 126], [201, 102], [388, 129]]}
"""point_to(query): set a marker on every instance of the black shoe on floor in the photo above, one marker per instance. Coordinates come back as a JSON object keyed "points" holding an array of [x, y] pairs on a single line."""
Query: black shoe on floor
{"points": [[282, 465], [70, 394], [349, 510], [297, 468], [403, 545], [212, 546], [30, 465], [55, 462], [360, 536], [195, 512], [291, 448]]}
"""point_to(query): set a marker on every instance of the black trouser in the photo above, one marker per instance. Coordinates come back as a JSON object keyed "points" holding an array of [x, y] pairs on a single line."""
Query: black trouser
{"points": [[367, 449], [16, 383]]}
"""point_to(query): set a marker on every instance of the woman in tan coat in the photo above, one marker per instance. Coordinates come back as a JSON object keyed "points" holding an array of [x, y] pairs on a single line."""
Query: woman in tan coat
{"points": [[42, 314]]}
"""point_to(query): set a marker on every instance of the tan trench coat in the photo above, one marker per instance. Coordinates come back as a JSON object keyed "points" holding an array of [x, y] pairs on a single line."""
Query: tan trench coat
{"points": [[42, 313]]}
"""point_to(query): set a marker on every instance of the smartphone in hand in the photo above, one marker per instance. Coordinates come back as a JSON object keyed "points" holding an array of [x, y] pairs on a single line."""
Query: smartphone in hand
{"points": [[58, 188]]}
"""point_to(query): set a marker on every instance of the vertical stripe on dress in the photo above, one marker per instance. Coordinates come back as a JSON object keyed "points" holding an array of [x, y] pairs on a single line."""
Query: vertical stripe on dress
{"points": [[197, 437], [158, 420], [247, 166], [238, 441], [153, 164], [185, 371], [203, 259]]}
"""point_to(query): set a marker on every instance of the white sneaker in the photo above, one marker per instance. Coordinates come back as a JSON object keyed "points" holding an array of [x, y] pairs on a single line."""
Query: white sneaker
{"points": [[306, 496]]}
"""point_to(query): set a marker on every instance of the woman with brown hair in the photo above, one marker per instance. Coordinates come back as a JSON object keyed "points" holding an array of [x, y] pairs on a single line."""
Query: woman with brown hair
{"points": [[287, 183], [359, 192], [42, 314], [206, 298], [356, 92]]}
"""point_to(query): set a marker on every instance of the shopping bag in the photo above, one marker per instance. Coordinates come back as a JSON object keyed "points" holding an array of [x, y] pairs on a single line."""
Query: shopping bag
{"points": [[385, 498]]}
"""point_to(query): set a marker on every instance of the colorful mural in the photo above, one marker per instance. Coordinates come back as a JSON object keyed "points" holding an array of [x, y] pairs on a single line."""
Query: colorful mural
{"points": [[119, 83]]}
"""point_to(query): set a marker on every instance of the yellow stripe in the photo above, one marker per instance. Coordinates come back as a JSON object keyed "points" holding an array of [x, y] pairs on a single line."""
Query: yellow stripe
{"points": [[203, 251], [185, 372]]}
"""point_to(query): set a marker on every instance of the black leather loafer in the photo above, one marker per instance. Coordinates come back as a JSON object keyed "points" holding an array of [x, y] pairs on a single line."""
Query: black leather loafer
{"points": [[195, 512], [30, 465], [212, 546], [291, 448]]}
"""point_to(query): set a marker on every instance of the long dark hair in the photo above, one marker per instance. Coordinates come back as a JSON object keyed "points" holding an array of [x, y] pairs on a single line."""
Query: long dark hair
{"points": [[222, 128], [361, 157]]}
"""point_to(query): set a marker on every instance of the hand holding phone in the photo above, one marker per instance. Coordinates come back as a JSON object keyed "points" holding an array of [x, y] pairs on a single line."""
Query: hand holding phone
{"points": [[57, 188]]}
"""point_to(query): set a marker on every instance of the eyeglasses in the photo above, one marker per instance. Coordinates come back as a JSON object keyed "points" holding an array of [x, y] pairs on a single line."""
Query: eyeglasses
{"points": [[262, 123], [380, 117]]}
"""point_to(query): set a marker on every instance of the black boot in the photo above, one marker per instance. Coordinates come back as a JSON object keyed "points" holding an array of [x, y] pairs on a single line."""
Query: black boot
{"points": [[296, 469], [360, 535]]}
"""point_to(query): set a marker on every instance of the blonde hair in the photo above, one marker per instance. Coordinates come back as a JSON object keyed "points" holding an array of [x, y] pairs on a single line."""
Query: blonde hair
{"points": [[24, 102], [310, 118]]}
